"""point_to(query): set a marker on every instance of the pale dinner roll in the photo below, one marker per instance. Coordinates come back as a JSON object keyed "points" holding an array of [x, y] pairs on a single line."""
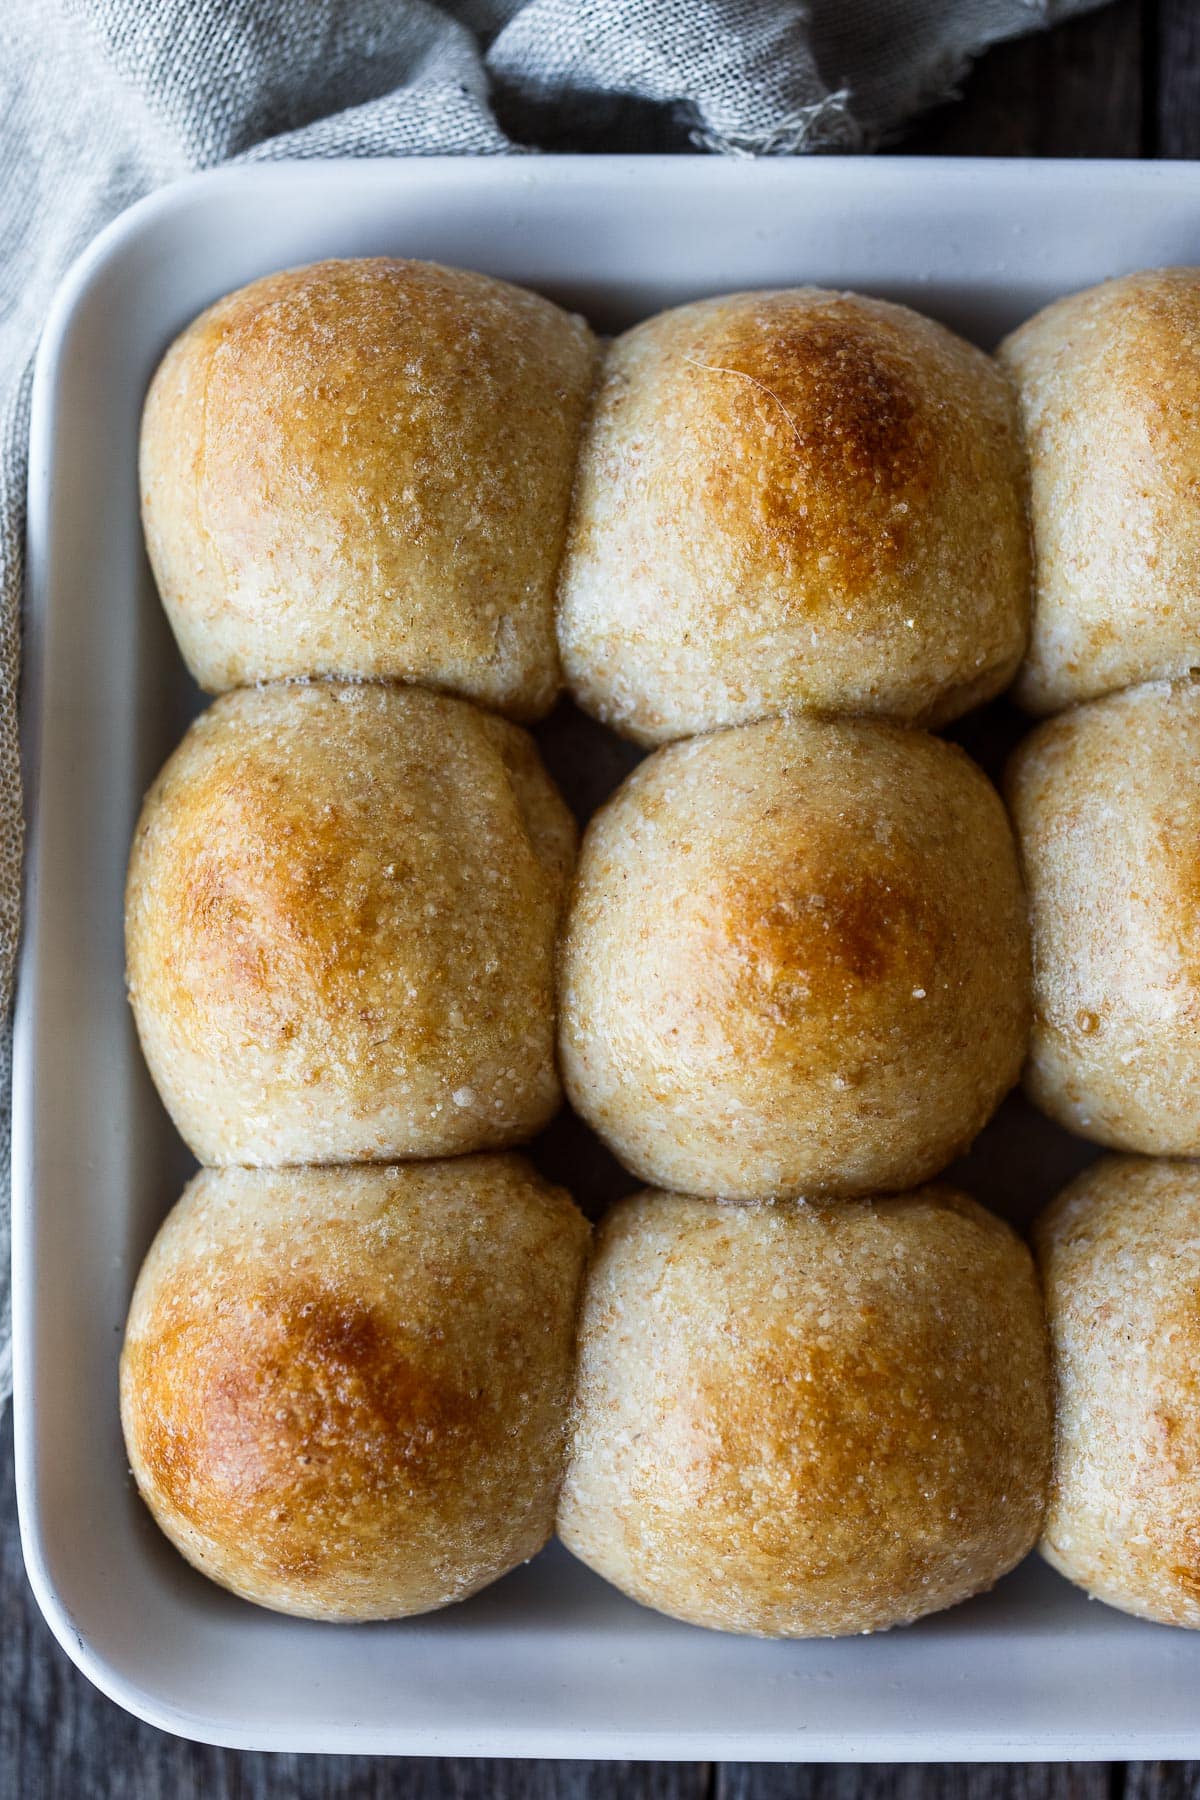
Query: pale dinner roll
{"points": [[794, 500], [1106, 804], [1109, 386], [363, 469], [340, 921], [344, 1391], [1120, 1260], [805, 1421], [795, 961]]}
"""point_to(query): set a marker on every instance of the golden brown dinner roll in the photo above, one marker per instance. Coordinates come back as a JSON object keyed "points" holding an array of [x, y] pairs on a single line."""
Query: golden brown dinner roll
{"points": [[1106, 804], [795, 961], [344, 1390], [801, 1420], [363, 469], [790, 500], [340, 922], [1109, 386], [1120, 1259]]}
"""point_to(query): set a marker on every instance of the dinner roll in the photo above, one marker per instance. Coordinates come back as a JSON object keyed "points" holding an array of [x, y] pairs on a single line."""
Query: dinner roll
{"points": [[344, 1390], [795, 961], [1109, 385], [1120, 1260], [801, 1420], [1106, 804], [791, 500], [363, 469], [340, 921]]}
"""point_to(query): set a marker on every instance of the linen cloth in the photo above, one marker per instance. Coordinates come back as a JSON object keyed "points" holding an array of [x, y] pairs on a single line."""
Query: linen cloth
{"points": [[102, 100]]}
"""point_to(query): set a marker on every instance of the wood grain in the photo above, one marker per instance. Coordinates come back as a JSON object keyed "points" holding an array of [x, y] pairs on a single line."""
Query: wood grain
{"points": [[1174, 56], [916, 1781], [1161, 1781], [1076, 91], [1122, 81]]}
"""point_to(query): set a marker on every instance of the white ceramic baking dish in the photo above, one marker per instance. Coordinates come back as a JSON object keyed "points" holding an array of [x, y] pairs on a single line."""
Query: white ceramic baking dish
{"points": [[551, 1661]]}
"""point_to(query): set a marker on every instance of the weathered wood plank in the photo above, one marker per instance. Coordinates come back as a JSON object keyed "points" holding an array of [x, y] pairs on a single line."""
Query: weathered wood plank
{"points": [[1175, 50], [1075, 91], [1162, 1781], [917, 1781]]}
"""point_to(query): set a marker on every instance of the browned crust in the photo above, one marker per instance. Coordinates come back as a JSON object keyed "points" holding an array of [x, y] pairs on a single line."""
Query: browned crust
{"points": [[363, 468], [794, 499], [1110, 406], [1120, 1262], [795, 961], [341, 911], [1107, 815], [343, 1391], [800, 1421]]}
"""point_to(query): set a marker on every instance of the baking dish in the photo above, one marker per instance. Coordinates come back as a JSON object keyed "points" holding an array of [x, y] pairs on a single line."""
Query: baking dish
{"points": [[550, 1661]]}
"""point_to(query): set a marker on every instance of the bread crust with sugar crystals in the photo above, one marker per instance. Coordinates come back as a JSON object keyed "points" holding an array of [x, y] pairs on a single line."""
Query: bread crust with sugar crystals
{"points": [[344, 1391], [341, 913], [1120, 1258], [804, 1421], [1109, 387], [795, 961], [1107, 812], [363, 469], [794, 500]]}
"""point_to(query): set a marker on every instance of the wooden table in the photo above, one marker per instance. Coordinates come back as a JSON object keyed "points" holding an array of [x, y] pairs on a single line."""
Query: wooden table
{"points": [[1122, 82]]}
